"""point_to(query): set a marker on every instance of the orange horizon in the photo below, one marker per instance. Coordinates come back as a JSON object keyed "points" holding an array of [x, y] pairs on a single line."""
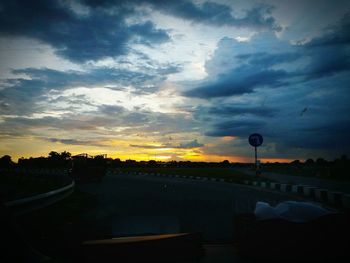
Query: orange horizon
{"points": [[141, 158]]}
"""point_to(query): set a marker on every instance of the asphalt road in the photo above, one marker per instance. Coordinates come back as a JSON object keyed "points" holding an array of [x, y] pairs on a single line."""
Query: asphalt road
{"points": [[135, 205]]}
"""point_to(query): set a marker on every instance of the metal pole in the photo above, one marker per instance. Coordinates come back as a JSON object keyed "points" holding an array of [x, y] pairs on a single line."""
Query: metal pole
{"points": [[256, 162]]}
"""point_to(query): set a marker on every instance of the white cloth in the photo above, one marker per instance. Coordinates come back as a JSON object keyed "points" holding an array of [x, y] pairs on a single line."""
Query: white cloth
{"points": [[293, 211]]}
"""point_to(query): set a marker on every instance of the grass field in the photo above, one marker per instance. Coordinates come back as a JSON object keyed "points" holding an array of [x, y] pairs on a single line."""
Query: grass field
{"points": [[327, 172]]}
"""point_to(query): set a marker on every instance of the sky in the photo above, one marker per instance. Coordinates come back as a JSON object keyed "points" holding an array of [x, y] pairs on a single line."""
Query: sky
{"points": [[175, 80]]}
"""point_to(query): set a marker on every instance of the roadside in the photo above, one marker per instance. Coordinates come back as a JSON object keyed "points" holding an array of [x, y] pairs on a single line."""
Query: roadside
{"points": [[57, 230], [300, 180], [21, 183]]}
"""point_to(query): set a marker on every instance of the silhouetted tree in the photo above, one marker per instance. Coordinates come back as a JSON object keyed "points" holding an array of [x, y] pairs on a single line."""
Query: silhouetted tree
{"points": [[66, 155], [54, 155], [309, 161], [152, 163], [321, 161], [295, 162], [6, 161]]}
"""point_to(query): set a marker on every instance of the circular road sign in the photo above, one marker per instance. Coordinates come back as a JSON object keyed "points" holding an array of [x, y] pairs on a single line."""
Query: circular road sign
{"points": [[255, 139]]}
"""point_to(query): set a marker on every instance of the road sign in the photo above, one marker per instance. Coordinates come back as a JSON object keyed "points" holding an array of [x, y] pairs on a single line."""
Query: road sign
{"points": [[255, 139]]}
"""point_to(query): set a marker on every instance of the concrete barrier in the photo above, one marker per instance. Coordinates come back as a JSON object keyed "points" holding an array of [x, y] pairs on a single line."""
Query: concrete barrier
{"points": [[263, 184], [335, 198], [346, 201], [275, 186], [298, 189], [286, 187], [321, 195], [309, 191]]}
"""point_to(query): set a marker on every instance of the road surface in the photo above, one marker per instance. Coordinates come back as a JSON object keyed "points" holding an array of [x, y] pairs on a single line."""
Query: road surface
{"points": [[134, 205]]}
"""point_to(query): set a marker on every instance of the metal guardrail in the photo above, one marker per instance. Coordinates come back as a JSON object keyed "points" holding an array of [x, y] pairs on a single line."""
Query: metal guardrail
{"points": [[26, 205]]}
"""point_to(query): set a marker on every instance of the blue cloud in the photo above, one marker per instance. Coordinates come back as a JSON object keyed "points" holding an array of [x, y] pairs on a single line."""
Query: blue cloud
{"points": [[27, 92], [239, 81], [184, 145], [258, 17], [76, 142], [229, 110], [95, 36], [233, 71], [241, 128], [329, 53]]}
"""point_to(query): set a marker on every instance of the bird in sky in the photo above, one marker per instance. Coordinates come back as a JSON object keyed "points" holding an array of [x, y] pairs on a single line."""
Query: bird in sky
{"points": [[303, 111]]}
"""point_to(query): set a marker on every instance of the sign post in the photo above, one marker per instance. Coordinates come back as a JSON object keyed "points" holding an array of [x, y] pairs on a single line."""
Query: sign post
{"points": [[256, 140]]}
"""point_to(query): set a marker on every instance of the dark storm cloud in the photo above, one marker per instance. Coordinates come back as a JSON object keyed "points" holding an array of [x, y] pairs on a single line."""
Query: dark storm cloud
{"points": [[189, 145], [258, 17], [239, 81], [184, 145], [78, 38], [111, 109], [235, 128], [228, 110], [60, 79], [328, 54], [265, 59], [76, 142], [336, 35], [332, 136], [145, 146]]}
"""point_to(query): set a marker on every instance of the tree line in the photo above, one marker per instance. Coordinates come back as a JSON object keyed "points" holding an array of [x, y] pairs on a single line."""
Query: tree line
{"points": [[319, 167]]}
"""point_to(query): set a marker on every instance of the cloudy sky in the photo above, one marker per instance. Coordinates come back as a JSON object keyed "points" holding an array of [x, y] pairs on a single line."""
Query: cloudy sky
{"points": [[175, 80]]}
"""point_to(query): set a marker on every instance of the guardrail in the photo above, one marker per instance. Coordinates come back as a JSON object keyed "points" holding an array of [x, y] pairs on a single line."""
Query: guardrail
{"points": [[28, 204]]}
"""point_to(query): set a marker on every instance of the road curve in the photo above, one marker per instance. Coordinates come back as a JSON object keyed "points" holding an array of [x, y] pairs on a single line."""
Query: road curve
{"points": [[135, 204]]}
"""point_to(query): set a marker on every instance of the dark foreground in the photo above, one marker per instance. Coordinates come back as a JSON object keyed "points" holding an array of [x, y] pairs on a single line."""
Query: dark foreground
{"points": [[137, 205]]}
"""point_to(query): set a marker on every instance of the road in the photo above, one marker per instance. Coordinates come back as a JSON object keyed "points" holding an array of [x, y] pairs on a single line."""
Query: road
{"points": [[134, 205]]}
